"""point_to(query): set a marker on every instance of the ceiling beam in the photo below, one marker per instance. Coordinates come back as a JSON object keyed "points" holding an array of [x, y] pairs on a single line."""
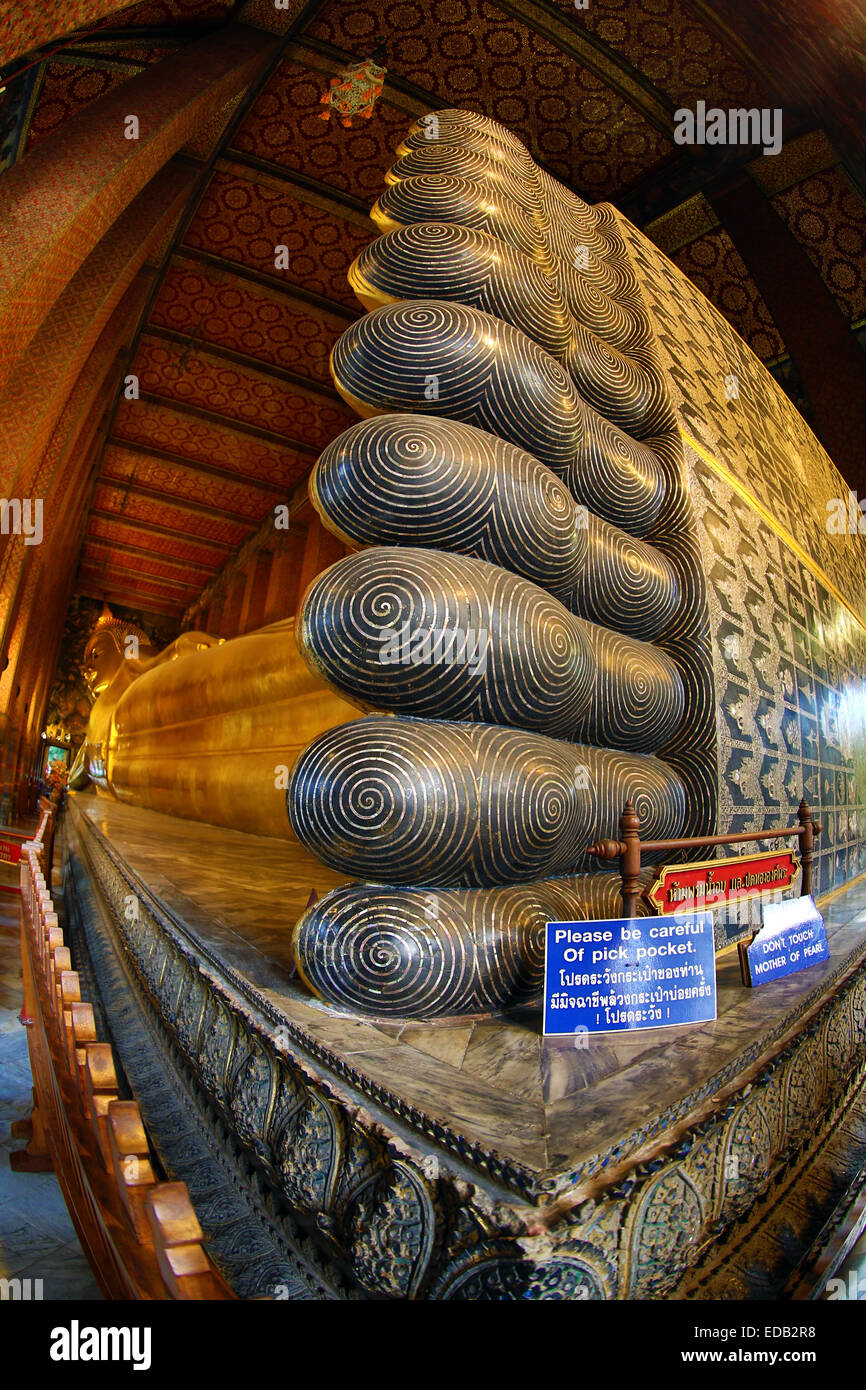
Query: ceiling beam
{"points": [[292, 293], [191, 465], [237, 115], [179, 34], [89, 58], [243, 360], [228, 422], [134, 551], [154, 529], [115, 571], [168, 499], [591, 52], [277, 176], [91, 589]]}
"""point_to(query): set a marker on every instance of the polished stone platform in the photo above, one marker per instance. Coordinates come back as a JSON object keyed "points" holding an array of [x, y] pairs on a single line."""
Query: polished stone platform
{"points": [[555, 1115]]}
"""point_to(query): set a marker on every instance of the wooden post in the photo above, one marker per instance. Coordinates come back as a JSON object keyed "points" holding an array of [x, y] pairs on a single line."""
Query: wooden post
{"points": [[83, 1032], [130, 1157], [177, 1239], [101, 1081], [807, 845], [629, 862]]}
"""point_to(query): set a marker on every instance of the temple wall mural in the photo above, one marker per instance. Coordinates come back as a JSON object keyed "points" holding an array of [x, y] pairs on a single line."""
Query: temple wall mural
{"points": [[786, 578]]}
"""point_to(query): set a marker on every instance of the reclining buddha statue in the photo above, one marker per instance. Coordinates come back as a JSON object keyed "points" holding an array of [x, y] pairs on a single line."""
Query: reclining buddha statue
{"points": [[517, 641]]}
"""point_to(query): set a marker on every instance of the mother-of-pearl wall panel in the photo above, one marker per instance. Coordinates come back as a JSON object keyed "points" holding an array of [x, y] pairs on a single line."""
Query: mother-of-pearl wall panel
{"points": [[787, 590]]}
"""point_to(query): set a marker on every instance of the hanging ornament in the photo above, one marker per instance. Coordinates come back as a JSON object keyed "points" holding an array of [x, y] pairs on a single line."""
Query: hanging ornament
{"points": [[355, 90]]}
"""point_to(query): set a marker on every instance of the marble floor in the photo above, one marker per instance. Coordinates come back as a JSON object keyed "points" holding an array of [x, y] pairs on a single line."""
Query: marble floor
{"points": [[541, 1102], [37, 1238]]}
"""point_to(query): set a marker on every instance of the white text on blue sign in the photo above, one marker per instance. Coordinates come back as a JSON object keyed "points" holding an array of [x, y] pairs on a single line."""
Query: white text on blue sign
{"points": [[792, 938], [629, 973]]}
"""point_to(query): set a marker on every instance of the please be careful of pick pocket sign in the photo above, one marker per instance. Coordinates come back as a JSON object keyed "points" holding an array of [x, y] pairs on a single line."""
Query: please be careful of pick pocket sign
{"points": [[629, 973]]}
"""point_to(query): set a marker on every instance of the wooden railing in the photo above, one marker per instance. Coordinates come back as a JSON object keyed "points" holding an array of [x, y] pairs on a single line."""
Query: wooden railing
{"points": [[141, 1235], [14, 842], [630, 848]]}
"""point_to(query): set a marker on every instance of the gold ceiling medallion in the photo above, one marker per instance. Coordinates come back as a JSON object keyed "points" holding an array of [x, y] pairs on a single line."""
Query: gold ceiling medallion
{"points": [[355, 90]]}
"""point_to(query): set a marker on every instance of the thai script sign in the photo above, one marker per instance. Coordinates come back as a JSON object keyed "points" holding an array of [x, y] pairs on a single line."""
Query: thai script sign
{"points": [[695, 887]]}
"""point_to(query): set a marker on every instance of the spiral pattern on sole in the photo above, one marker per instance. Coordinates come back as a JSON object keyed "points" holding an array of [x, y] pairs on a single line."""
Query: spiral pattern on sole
{"points": [[435, 634], [430, 481], [426, 480], [440, 358], [398, 953], [437, 260], [437, 804], [625, 584], [440, 635]]}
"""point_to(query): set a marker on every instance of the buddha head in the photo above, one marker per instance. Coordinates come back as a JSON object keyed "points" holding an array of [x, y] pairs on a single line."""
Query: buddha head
{"points": [[112, 642]]}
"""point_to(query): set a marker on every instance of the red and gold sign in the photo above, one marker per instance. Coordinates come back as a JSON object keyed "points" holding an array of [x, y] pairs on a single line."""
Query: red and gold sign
{"points": [[695, 887], [10, 852]]}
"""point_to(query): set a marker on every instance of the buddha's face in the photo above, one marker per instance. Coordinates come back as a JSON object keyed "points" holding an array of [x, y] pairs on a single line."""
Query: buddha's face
{"points": [[102, 662]]}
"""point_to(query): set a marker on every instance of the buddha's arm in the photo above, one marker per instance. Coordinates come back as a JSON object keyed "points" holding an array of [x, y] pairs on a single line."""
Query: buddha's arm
{"points": [[78, 774], [187, 644]]}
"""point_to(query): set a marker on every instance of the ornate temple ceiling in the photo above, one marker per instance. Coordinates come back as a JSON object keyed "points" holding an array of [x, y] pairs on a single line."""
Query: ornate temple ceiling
{"points": [[232, 358]]}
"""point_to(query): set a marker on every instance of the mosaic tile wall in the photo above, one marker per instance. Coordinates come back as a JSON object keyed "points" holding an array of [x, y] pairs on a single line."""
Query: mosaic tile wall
{"points": [[789, 654]]}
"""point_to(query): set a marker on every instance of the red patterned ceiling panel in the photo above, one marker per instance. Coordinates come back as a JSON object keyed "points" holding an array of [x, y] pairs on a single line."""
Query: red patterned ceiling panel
{"points": [[285, 126], [828, 218], [120, 533], [131, 508], [670, 47], [717, 269], [245, 222], [112, 580], [94, 555], [186, 484], [93, 558], [473, 55], [220, 308], [67, 90], [193, 378], [161, 427], [154, 13]]}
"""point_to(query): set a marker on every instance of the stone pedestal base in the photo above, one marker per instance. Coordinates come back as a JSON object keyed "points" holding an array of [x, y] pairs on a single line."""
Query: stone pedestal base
{"points": [[331, 1157]]}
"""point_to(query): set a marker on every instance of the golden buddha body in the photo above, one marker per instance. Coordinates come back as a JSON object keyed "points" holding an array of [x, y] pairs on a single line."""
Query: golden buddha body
{"points": [[205, 729]]}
